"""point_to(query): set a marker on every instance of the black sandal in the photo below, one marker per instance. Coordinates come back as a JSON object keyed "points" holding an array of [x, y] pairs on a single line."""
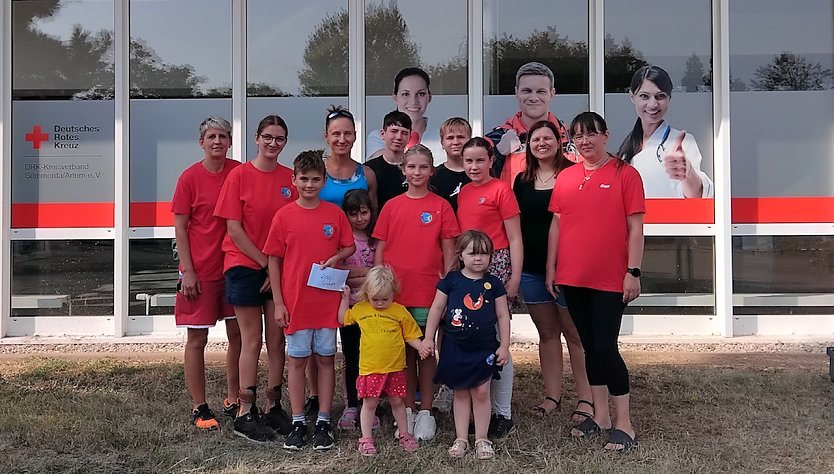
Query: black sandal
{"points": [[623, 439], [579, 412], [542, 411], [589, 429]]}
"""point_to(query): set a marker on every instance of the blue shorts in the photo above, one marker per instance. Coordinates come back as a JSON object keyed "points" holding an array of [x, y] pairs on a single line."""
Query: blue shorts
{"points": [[304, 342], [243, 287], [533, 291]]}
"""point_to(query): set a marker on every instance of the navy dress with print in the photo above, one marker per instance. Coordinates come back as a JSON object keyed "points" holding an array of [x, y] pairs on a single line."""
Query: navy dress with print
{"points": [[467, 353]]}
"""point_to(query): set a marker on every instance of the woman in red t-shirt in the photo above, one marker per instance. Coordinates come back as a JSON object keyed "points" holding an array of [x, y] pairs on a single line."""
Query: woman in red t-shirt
{"points": [[594, 250], [251, 195]]}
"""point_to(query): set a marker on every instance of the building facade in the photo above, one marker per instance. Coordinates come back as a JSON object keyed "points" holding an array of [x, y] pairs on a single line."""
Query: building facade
{"points": [[101, 100]]}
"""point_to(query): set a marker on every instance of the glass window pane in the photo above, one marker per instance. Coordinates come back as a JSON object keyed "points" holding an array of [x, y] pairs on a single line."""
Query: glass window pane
{"points": [[799, 267], [781, 58], [180, 48], [62, 278], [412, 34], [674, 96], [677, 267], [534, 30], [63, 142], [153, 277]]}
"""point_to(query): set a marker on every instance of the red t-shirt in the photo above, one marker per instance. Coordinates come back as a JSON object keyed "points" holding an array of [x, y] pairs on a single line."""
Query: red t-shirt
{"points": [[252, 196], [593, 234], [195, 196], [302, 237], [485, 208], [412, 229]]}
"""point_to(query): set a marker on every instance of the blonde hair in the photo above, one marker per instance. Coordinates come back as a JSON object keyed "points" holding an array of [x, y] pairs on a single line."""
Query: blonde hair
{"points": [[459, 123], [481, 244], [379, 281], [418, 149]]}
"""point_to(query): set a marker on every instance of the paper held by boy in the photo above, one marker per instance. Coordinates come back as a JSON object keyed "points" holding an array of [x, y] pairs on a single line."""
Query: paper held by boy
{"points": [[331, 279]]}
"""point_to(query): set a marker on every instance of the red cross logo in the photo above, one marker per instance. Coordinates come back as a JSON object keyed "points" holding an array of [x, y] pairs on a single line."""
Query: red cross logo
{"points": [[36, 137]]}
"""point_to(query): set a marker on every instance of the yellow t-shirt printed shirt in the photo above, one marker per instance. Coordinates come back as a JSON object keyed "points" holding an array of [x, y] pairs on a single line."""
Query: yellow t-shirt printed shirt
{"points": [[384, 334]]}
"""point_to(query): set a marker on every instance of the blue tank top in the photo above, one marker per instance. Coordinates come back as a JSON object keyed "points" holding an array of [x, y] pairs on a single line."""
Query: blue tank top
{"points": [[334, 189]]}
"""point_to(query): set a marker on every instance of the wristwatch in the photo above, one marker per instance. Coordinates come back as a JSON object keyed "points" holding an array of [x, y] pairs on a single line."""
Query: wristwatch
{"points": [[635, 272]]}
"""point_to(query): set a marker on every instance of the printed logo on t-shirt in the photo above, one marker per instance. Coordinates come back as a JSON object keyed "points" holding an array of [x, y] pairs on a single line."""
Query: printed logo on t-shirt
{"points": [[457, 318], [474, 305], [286, 192], [456, 191], [604, 186], [328, 230], [425, 217], [481, 200]]}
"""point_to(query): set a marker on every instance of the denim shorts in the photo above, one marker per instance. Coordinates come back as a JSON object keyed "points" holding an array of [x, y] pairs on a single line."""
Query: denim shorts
{"points": [[533, 291], [304, 342], [243, 287]]}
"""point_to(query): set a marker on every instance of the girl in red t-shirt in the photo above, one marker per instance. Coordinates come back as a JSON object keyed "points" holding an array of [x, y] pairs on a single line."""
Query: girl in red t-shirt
{"points": [[489, 205], [416, 233], [251, 195]]}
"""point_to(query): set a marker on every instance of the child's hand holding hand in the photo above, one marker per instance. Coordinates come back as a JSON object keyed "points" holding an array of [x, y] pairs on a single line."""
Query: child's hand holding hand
{"points": [[426, 348], [330, 262], [502, 356], [345, 293]]}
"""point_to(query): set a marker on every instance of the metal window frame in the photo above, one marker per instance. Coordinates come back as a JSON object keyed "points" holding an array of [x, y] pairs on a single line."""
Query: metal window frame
{"points": [[5, 166]]}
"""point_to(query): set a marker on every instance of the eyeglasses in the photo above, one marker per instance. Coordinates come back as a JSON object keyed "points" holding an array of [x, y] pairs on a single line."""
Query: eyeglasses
{"points": [[339, 113], [587, 137], [279, 140], [661, 150]]}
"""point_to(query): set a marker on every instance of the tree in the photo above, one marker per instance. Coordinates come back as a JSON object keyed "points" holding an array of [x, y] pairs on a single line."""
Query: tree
{"points": [[621, 62], [693, 76], [790, 72], [388, 48], [735, 83]]}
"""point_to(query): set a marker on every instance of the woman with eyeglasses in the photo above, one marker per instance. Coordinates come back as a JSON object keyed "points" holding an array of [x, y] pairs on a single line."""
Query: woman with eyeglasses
{"points": [[594, 250], [667, 159], [248, 200]]}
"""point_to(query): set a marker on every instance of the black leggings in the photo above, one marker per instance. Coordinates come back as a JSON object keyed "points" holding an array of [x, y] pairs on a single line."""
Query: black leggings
{"points": [[350, 349], [597, 316]]}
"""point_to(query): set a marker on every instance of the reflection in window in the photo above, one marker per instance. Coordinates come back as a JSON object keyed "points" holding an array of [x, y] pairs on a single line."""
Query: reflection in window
{"points": [[62, 278], [62, 49], [153, 277], [180, 48], [781, 60], [279, 65]]}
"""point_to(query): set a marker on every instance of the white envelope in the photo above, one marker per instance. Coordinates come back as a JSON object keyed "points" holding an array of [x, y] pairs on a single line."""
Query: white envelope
{"points": [[331, 279]]}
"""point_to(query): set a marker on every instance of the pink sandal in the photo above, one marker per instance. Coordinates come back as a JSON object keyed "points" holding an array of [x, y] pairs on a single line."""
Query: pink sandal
{"points": [[408, 443], [367, 447]]}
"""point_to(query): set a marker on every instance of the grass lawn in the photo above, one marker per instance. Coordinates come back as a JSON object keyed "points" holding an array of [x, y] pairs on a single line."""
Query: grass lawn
{"points": [[703, 413]]}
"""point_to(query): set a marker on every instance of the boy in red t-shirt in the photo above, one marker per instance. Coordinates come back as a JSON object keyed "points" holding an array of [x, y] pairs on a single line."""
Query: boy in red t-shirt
{"points": [[306, 232], [201, 295]]}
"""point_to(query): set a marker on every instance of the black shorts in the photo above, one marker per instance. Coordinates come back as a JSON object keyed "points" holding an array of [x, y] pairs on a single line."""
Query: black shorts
{"points": [[243, 285]]}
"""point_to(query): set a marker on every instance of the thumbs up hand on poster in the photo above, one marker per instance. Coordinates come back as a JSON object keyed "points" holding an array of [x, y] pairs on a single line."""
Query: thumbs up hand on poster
{"points": [[675, 162]]}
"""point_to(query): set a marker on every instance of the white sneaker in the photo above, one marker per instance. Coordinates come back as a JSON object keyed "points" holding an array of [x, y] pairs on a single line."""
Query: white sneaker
{"points": [[443, 399], [409, 417], [424, 426]]}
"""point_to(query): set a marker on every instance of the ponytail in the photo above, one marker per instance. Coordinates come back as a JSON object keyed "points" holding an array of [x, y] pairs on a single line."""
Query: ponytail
{"points": [[633, 143]]}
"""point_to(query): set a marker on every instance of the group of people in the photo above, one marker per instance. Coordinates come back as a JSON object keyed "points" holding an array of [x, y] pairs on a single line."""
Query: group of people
{"points": [[434, 257]]}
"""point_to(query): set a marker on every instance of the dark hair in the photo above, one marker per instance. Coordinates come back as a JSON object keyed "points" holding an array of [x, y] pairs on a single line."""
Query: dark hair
{"points": [[356, 199], [633, 143], [396, 118], [337, 111], [480, 142], [481, 243], [560, 163], [310, 160], [408, 72], [591, 122], [272, 120]]}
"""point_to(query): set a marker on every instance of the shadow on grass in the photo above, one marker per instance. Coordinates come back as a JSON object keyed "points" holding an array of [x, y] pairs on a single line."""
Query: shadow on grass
{"points": [[108, 415]]}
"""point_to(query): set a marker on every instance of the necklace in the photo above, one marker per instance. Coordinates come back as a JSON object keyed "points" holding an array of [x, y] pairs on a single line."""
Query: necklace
{"points": [[588, 175], [545, 181]]}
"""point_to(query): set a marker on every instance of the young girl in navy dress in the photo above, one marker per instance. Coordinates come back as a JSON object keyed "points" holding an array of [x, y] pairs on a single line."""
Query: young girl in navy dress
{"points": [[474, 301]]}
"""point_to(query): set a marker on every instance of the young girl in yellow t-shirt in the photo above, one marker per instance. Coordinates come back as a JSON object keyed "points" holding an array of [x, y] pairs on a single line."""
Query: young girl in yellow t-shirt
{"points": [[386, 327]]}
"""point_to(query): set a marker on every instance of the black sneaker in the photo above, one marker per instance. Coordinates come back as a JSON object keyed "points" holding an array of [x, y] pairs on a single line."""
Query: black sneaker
{"points": [[323, 439], [500, 426], [297, 438], [252, 427], [311, 407], [230, 409], [278, 419], [204, 418]]}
